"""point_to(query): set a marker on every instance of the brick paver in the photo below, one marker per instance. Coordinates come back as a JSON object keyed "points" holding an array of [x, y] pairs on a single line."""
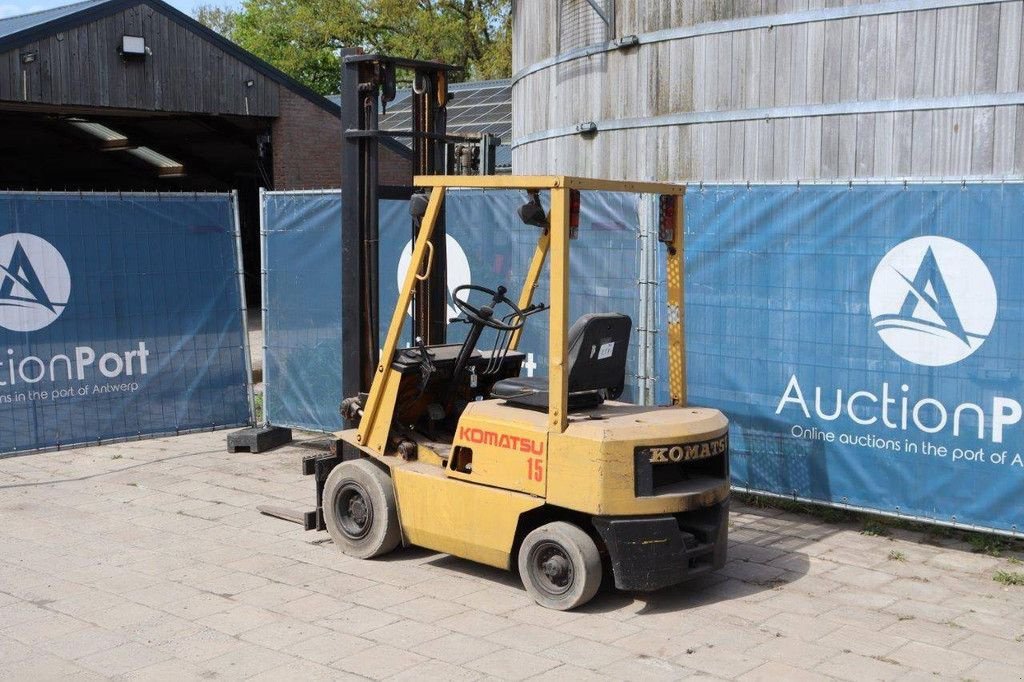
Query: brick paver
{"points": [[149, 561]]}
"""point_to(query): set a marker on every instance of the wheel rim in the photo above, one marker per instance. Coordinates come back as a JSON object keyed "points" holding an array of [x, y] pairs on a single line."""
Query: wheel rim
{"points": [[353, 510], [551, 568]]}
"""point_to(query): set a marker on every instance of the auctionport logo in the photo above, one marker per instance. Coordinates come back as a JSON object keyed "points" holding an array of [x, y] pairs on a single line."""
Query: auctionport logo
{"points": [[932, 301], [34, 282]]}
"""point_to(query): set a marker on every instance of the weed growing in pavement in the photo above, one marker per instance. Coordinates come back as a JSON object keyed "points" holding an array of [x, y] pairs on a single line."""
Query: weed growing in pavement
{"points": [[117, 456], [938, 535], [763, 502], [986, 544], [982, 543], [831, 515], [827, 514], [1014, 561], [897, 556], [1015, 578], [872, 527]]}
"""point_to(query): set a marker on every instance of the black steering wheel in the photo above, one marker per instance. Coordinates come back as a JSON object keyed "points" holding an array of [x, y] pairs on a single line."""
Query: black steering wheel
{"points": [[485, 314]]}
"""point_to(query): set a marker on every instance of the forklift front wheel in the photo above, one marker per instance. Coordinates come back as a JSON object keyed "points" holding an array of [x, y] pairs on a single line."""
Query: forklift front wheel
{"points": [[360, 511], [560, 566]]}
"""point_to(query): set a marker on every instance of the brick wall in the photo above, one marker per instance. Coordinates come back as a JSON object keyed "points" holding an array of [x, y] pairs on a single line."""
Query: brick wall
{"points": [[307, 148], [306, 141], [392, 169]]}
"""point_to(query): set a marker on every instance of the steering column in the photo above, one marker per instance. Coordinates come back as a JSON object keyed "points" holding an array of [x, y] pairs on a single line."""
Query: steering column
{"points": [[479, 318]]}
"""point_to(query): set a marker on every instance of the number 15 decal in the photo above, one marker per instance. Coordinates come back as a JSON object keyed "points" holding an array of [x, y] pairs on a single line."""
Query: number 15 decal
{"points": [[535, 469]]}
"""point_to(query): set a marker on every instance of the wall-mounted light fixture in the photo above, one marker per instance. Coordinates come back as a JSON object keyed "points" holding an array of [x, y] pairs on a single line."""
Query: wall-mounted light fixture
{"points": [[133, 46], [28, 57], [249, 82]]}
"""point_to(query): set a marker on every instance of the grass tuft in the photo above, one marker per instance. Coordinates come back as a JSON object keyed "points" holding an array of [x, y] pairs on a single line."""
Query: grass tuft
{"points": [[982, 543], [257, 408], [986, 544], [873, 527], [897, 556], [1014, 578]]}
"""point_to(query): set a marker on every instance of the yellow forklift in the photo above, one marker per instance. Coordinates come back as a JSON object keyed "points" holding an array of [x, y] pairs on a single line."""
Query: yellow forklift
{"points": [[452, 450]]}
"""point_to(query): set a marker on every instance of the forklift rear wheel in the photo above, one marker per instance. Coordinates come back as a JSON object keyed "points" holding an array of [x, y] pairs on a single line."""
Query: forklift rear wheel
{"points": [[360, 511], [560, 566]]}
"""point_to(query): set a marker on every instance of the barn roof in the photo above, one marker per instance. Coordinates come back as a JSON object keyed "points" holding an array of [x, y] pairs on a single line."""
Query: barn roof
{"points": [[10, 26], [20, 30]]}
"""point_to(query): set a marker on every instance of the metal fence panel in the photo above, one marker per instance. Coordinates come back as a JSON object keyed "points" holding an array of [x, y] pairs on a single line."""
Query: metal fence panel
{"points": [[302, 304], [487, 244], [862, 339], [865, 342], [120, 317], [302, 309]]}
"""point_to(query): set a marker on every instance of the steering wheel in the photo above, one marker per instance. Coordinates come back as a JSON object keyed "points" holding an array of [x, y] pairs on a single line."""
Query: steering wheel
{"points": [[484, 315]]}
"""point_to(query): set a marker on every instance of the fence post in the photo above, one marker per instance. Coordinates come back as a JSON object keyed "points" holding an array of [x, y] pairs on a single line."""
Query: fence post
{"points": [[263, 300], [646, 325], [245, 308]]}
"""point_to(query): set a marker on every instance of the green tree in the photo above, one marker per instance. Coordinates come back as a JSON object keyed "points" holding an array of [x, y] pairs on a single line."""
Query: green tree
{"points": [[303, 37], [220, 19]]}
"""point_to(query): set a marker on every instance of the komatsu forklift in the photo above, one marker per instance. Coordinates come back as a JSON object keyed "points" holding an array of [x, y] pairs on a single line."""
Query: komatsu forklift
{"points": [[452, 449]]}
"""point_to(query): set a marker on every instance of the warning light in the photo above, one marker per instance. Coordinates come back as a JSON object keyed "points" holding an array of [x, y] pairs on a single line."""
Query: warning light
{"points": [[667, 219], [574, 213]]}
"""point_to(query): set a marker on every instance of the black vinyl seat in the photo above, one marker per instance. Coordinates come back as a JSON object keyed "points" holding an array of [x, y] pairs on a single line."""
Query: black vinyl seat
{"points": [[598, 349]]}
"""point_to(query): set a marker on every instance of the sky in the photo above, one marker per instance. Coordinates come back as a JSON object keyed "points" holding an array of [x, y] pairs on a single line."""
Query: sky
{"points": [[10, 8]]}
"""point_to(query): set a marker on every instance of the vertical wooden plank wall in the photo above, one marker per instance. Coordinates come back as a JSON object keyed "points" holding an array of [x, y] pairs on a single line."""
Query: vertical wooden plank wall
{"points": [[953, 51]]}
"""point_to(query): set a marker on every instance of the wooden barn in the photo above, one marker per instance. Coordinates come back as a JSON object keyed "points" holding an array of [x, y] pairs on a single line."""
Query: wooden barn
{"points": [[135, 95]]}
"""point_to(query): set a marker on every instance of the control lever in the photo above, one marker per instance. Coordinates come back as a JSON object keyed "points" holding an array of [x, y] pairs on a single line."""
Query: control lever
{"points": [[498, 296], [427, 367], [534, 308]]}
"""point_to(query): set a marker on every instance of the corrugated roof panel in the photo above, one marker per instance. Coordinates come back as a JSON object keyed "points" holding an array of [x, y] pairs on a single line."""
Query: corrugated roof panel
{"points": [[17, 24]]}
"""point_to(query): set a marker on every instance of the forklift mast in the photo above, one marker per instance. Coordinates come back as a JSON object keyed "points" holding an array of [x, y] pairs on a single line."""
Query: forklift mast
{"points": [[368, 83]]}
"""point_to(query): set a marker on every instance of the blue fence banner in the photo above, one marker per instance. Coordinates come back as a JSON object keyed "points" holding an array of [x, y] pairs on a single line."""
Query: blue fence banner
{"points": [[487, 244], [865, 343], [120, 317], [302, 304], [302, 310], [863, 340]]}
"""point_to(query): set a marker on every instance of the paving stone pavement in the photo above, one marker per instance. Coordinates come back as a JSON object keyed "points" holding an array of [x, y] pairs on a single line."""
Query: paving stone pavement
{"points": [[148, 561]]}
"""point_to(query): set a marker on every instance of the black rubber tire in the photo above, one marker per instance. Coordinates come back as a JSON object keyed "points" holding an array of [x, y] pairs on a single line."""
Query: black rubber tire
{"points": [[360, 510], [573, 578]]}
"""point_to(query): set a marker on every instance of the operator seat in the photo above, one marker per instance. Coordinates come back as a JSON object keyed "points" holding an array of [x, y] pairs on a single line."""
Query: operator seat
{"points": [[598, 348]]}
